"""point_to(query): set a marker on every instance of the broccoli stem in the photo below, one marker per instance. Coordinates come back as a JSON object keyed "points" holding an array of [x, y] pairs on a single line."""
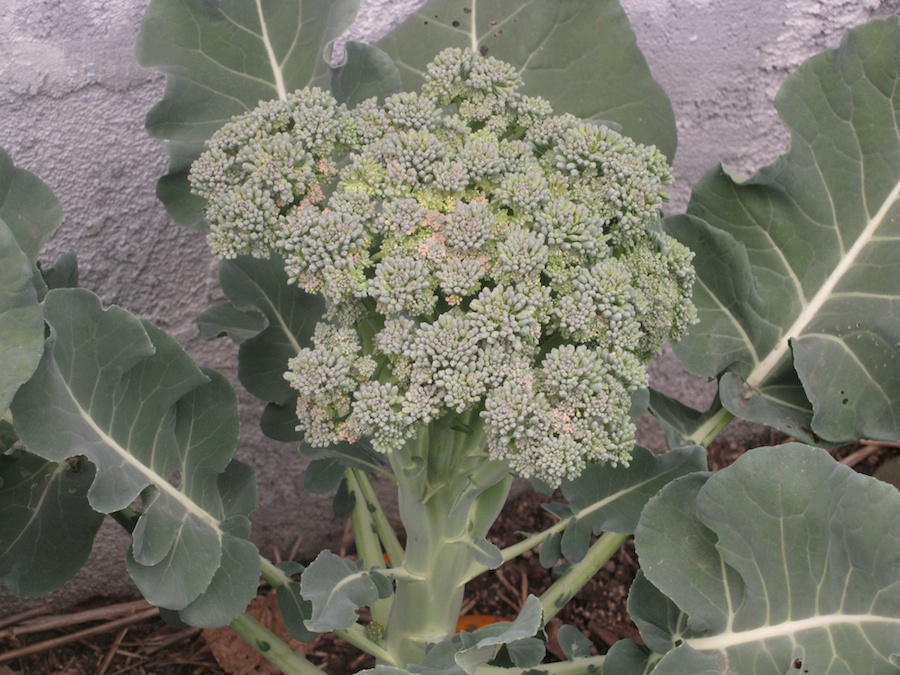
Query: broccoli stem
{"points": [[365, 533], [707, 433], [382, 525], [272, 648], [574, 579], [449, 495]]}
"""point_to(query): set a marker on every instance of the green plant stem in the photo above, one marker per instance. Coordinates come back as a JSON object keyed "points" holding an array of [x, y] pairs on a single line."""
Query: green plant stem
{"points": [[531, 542], [368, 543], [585, 666], [368, 546], [383, 527], [272, 574], [565, 588], [449, 496], [707, 432], [271, 647], [356, 636]]}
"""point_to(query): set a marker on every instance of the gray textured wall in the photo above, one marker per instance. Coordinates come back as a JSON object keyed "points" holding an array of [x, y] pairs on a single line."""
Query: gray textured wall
{"points": [[72, 103]]}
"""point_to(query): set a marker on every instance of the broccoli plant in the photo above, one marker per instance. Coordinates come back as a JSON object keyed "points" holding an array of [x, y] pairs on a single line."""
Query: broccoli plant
{"points": [[445, 287], [493, 290]]}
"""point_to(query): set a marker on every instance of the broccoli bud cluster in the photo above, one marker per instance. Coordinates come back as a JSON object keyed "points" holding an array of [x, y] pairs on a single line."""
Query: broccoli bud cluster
{"points": [[475, 251]]}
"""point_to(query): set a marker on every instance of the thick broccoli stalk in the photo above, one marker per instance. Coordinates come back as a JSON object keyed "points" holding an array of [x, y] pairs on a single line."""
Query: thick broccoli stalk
{"points": [[506, 253]]}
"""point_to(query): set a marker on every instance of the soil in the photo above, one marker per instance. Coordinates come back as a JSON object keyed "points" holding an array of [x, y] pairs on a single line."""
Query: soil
{"points": [[150, 647]]}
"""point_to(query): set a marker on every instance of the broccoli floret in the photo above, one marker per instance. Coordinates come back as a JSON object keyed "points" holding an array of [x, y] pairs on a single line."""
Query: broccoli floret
{"points": [[506, 252]]}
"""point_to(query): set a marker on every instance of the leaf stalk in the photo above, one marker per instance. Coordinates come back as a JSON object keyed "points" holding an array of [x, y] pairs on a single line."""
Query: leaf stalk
{"points": [[271, 647], [572, 581]]}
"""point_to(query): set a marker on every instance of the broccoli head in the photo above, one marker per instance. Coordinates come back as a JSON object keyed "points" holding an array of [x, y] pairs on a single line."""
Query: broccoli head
{"points": [[475, 251]]}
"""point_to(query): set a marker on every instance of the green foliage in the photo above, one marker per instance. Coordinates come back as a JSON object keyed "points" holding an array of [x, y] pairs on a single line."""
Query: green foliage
{"points": [[609, 81], [609, 498], [38, 496], [126, 397], [773, 572], [461, 284], [797, 272], [268, 318], [29, 214], [337, 587], [242, 52]]}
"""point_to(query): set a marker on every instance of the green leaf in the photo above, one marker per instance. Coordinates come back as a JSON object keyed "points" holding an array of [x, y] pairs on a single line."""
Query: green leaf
{"points": [[232, 587], [607, 498], [61, 274], [21, 319], [527, 652], [337, 587], [8, 436], [573, 642], [782, 562], [235, 582], [323, 475], [28, 207], [126, 396], [468, 650], [663, 626], [679, 421], [797, 277], [580, 55], [628, 658], [551, 550], [220, 59], [485, 553], [344, 500], [226, 319], [29, 214], [260, 286], [295, 610], [367, 71], [279, 422], [40, 498]]}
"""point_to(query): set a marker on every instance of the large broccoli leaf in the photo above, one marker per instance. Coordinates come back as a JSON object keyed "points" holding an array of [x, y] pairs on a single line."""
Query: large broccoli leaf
{"points": [[270, 319], [47, 526], [798, 283], [29, 214], [124, 395], [21, 321], [28, 207], [785, 562], [610, 498], [581, 56], [220, 59]]}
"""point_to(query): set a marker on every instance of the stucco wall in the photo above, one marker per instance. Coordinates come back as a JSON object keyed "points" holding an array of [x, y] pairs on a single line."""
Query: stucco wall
{"points": [[72, 103]]}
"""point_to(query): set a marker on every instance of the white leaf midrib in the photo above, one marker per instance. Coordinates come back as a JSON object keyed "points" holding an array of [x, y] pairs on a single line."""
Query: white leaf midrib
{"points": [[270, 52], [152, 476], [728, 639], [765, 367]]}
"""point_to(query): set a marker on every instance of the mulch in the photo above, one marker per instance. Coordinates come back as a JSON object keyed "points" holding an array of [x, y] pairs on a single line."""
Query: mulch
{"points": [[130, 638]]}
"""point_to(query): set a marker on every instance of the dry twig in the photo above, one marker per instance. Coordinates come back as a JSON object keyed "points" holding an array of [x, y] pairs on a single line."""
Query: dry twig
{"points": [[53, 643]]}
